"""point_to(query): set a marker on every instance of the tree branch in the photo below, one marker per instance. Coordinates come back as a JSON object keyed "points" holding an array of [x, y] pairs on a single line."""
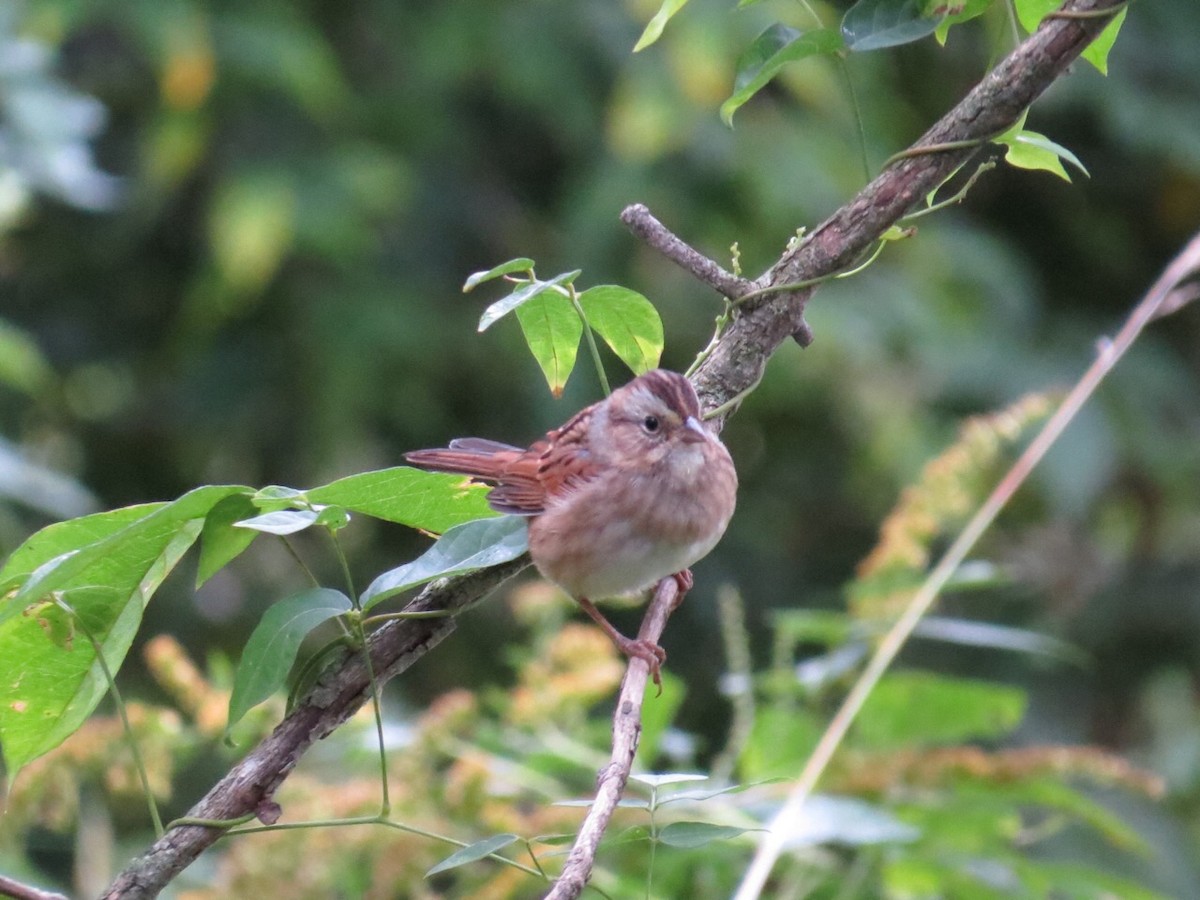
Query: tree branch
{"points": [[734, 366], [641, 222], [250, 785], [627, 730], [10, 887]]}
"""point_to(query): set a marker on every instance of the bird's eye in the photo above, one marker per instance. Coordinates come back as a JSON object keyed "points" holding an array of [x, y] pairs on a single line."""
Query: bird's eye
{"points": [[650, 423]]}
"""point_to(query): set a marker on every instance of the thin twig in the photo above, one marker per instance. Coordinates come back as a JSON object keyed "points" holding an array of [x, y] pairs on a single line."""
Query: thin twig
{"points": [[1185, 265], [627, 729], [641, 222], [12, 888]]}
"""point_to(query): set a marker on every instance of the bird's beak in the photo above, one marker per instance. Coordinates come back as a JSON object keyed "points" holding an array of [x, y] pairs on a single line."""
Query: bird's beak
{"points": [[693, 432]]}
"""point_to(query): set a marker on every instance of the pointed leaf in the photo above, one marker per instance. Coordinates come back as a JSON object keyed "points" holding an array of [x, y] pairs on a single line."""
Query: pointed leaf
{"points": [[478, 850], [654, 28], [662, 778], [282, 521], [430, 501], [520, 264], [689, 835], [552, 330], [627, 322], [464, 548], [875, 24], [220, 541], [1097, 51], [770, 52], [271, 650], [523, 294], [969, 10]]}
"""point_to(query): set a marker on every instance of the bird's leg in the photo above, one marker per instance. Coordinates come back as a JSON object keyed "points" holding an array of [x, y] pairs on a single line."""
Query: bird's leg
{"points": [[653, 654], [683, 584]]}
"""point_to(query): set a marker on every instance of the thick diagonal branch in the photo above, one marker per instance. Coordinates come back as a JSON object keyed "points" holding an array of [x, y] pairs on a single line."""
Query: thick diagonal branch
{"points": [[345, 687]]}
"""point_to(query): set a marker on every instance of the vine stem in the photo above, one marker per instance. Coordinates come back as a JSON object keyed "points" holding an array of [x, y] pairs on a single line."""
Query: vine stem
{"points": [[1186, 264], [591, 339], [138, 762]]}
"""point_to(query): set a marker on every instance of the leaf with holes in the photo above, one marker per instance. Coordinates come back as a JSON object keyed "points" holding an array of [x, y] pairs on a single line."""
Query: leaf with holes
{"points": [[430, 501]]}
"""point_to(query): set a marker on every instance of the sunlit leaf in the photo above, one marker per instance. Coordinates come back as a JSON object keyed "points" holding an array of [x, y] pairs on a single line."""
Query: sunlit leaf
{"points": [[270, 652], [875, 24], [520, 264], [654, 28], [52, 684], [522, 294], [658, 780], [1097, 51], [1030, 150], [283, 521], [430, 501], [475, 545], [964, 12], [477, 851], [689, 835], [770, 52], [627, 322], [552, 329]]}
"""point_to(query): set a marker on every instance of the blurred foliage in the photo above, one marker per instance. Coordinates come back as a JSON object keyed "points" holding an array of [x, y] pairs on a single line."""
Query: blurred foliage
{"points": [[275, 298]]}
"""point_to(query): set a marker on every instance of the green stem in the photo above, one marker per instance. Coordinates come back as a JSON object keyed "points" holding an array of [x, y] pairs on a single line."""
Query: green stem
{"points": [[356, 624], [138, 762], [416, 614], [591, 339]]}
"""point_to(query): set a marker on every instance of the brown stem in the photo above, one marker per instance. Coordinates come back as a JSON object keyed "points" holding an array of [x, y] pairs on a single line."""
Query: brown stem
{"points": [[250, 785], [641, 222], [18, 891], [627, 729]]}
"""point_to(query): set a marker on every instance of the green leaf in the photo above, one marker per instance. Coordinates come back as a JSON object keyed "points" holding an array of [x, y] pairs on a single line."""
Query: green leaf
{"points": [[1097, 51], [523, 294], [1030, 150], [64, 537], [969, 10], [654, 28], [770, 52], [847, 821], [464, 548], [689, 835], [875, 24], [1031, 12], [271, 650], [430, 501], [281, 521], [780, 741], [120, 558], [627, 322], [53, 682], [912, 709], [552, 330], [472, 853], [520, 264], [220, 541]]}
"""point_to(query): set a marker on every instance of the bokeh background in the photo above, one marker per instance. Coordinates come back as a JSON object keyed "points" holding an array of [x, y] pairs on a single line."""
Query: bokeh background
{"points": [[233, 237]]}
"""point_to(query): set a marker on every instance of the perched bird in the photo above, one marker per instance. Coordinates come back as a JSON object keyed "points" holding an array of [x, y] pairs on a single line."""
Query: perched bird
{"points": [[630, 490]]}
